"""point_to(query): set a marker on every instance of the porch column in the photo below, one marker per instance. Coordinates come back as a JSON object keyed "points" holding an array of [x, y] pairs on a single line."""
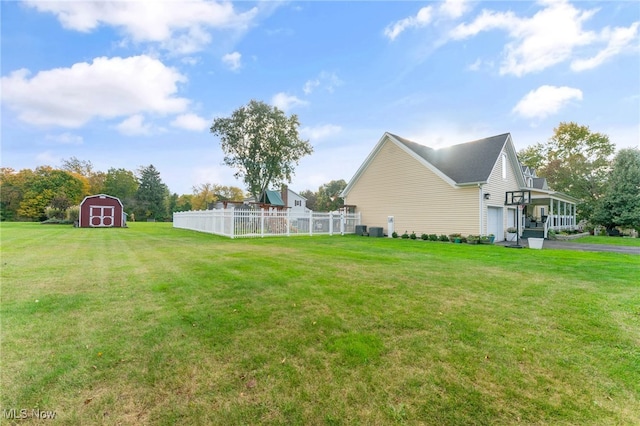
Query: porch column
{"points": [[574, 217], [552, 223]]}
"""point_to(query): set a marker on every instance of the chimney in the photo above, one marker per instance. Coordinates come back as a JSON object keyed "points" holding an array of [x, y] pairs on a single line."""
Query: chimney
{"points": [[284, 192]]}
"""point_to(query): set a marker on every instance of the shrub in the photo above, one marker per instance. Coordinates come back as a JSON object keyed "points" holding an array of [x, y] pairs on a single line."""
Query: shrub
{"points": [[413, 235], [424, 237], [73, 213], [405, 236], [394, 234], [443, 238], [54, 213], [433, 237]]}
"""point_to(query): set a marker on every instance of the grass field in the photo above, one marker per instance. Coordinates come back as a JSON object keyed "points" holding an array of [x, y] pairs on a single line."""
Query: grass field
{"points": [[613, 241], [154, 325]]}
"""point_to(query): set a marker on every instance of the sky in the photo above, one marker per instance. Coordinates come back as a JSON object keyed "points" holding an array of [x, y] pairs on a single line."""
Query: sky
{"points": [[126, 84]]}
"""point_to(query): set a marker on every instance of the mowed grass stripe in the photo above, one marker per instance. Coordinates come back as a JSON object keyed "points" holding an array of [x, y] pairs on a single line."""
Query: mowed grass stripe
{"points": [[154, 325]]}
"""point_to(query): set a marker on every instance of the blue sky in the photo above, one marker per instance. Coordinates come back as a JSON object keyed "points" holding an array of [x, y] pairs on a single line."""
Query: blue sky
{"points": [[126, 84]]}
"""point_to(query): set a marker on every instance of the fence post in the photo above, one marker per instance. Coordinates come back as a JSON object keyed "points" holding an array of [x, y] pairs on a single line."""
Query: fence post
{"points": [[288, 222], [330, 224], [262, 222], [233, 223], [342, 219], [310, 222]]}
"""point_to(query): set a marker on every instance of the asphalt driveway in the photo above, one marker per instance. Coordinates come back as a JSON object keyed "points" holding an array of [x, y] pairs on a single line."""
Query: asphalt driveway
{"points": [[569, 245]]}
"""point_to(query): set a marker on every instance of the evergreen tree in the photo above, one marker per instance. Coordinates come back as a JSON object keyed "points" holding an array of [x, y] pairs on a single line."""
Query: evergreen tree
{"points": [[151, 196], [620, 205]]}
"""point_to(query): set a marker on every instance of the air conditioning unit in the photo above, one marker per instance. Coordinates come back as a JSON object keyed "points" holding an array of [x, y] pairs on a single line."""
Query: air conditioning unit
{"points": [[376, 231]]}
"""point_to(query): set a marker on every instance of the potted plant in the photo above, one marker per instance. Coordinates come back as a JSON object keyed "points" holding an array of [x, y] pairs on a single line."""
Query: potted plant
{"points": [[492, 238], [483, 239], [511, 233], [473, 239], [455, 238]]}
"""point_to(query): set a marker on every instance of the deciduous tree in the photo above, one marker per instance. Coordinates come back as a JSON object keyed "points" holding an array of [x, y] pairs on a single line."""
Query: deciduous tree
{"points": [[121, 183], [328, 198], [262, 144], [575, 161]]}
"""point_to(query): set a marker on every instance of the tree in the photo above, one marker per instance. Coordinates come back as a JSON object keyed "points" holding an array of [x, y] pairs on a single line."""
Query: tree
{"points": [[203, 194], [84, 168], [620, 205], [328, 198], [574, 161], [123, 184], [262, 143], [12, 188], [47, 184], [311, 198], [151, 196]]}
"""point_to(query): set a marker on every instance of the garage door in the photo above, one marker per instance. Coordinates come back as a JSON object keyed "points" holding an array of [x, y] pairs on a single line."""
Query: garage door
{"points": [[495, 222]]}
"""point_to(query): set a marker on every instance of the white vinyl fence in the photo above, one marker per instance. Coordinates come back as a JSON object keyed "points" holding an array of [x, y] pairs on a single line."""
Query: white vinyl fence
{"points": [[248, 223]]}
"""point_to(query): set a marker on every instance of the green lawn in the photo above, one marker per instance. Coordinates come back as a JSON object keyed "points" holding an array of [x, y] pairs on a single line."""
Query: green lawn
{"points": [[613, 241], [154, 325]]}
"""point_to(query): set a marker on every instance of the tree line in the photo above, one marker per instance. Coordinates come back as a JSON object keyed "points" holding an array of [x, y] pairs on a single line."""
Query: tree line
{"points": [[46, 192], [584, 165]]}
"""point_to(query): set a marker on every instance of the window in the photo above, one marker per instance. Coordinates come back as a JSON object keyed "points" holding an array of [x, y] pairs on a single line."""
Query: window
{"points": [[504, 166], [298, 203]]}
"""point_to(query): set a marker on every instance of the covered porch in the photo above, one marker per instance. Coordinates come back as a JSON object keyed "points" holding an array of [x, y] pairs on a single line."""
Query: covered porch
{"points": [[546, 211]]}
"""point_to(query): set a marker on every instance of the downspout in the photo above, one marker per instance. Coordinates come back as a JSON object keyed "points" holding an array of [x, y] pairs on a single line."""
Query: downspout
{"points": [[481, 215]]}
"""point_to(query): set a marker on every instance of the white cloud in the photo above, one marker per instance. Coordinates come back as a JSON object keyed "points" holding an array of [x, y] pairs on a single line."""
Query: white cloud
{"points": [[65, 139], [552, 36], [422, 18], [326, 80], [134, 126], [191, 122], [310, 86], [106, 88], [454, 8], [315, 134], [546, 101], [285, 102], [178, 26], [232, 60], [618, 40], [47, 157]]}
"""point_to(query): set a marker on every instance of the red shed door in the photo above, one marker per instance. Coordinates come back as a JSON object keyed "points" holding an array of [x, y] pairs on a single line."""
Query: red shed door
{"points": [[101, 216]]}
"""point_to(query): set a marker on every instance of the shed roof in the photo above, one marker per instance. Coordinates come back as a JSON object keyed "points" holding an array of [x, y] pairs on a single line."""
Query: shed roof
{"points": [[272, 197]]}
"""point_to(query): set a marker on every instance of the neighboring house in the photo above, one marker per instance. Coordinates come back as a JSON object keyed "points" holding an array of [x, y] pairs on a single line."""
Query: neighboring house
{"points": [[102, 211], [458, 189], [285, 198], [294, 201]]}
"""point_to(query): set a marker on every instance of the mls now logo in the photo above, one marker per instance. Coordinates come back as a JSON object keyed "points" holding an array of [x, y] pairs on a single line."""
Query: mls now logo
{"points": [[23, 413]]}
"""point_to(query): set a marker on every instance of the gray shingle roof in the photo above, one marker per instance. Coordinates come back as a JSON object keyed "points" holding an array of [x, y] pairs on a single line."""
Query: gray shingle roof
{"points": [[464, 163]]}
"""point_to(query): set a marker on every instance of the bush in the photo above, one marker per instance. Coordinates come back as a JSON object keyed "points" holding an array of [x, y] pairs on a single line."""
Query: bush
{"points": [[413, 235], [424, 237], [433, 237], [73, 213], [394, 234], [443, 238], [54, 213], [405, 236]]}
